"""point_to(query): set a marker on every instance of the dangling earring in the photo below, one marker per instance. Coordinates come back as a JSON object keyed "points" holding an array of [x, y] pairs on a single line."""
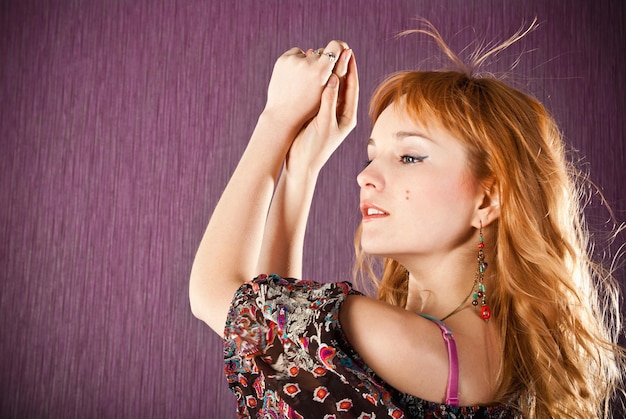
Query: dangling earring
{"points": [[479, 292]]}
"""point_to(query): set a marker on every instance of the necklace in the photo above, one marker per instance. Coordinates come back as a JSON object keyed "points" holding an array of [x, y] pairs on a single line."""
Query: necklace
{"points": [[456, 310]]}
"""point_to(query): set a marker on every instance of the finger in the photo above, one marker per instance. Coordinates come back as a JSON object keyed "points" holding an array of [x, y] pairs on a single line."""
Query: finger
{"points": [[293, 51], [350, 95], [326, 57], [341, 67], [330, 54], [336, 46], [316, 54], [328, 106]]}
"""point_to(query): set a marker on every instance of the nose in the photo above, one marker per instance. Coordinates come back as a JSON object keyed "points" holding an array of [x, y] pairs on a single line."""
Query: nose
{"points": [[370, 177]]}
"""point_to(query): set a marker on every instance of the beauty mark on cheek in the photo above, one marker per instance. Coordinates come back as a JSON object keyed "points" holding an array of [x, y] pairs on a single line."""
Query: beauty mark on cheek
{"points": [[408, 195]]}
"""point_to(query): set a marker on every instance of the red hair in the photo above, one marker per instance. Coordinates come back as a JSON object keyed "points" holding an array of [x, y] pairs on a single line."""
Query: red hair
{"points": [[556, 311]]}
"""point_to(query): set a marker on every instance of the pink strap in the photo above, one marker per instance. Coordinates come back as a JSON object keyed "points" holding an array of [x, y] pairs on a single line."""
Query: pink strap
{"points": [[452, 393]]}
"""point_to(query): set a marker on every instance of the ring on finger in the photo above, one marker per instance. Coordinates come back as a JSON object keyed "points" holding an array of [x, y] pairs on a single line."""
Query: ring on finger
{"points": [[331, 56]]}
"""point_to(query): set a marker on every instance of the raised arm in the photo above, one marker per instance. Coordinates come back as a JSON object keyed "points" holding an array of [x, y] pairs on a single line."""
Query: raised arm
{"points": [[229, 251], [283, 242]]}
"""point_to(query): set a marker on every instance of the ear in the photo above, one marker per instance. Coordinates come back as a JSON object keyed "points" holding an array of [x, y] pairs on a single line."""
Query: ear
{"points": [[487, 205]]}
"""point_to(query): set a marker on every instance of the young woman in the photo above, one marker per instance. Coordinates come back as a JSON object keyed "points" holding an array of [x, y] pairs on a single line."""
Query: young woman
{"points": [[488, 305]]}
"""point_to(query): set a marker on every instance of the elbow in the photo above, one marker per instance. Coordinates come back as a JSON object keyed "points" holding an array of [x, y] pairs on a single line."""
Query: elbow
{"points": [[201, 308], [209, 301], [196, 303], [195, 307]]}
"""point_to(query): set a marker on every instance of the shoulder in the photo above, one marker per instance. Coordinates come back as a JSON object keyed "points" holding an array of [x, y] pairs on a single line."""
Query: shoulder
{"points": [[363, 317], [404, 349], [409, 353]]}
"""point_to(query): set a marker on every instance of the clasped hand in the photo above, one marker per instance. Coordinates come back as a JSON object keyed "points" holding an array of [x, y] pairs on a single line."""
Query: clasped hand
{"points": [[317, 97]]}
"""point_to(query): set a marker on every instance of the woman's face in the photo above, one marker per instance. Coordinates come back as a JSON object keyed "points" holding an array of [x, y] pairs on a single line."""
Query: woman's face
{"points": [[418, 194]]}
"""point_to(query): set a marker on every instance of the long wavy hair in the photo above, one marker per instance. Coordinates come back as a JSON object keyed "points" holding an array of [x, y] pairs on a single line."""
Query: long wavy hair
{"points": [[557, 311]]}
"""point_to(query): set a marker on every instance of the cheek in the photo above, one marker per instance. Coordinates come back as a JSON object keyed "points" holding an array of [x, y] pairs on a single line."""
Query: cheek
{"points": [[442, 195], [440, 190]]}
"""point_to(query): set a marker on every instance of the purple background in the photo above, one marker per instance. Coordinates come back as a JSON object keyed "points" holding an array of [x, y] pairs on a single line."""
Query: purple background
{"points": [[120, 124]]}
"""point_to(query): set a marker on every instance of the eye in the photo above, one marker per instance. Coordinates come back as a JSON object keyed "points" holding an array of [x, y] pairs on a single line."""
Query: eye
{"points": [[407, 159], [366, 163]]}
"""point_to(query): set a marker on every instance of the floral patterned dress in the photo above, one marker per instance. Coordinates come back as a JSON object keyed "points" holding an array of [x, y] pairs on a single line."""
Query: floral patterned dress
{"points": [[287, 357]]}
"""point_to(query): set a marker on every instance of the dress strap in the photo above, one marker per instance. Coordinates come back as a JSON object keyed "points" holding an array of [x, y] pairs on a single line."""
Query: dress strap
{"points": [[452, 393]]}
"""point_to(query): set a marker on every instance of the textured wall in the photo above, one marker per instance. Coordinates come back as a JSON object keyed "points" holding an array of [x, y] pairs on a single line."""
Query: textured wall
{"points": [[120, 123]]}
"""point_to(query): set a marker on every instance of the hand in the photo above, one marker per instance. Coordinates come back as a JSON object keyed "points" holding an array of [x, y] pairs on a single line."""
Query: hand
{"points": [[297, 83], [335, 118]]}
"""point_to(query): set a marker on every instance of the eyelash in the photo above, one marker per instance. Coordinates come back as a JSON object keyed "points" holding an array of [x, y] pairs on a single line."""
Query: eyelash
{"points": [[403, 160], [414, 159]]}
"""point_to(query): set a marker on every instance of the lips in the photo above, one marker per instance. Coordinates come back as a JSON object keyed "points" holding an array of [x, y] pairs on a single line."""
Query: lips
{"points": [[371, 211]]}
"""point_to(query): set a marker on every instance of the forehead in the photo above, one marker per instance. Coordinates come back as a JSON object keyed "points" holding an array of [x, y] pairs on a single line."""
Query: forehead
{"points": [[395, 127], [396, 123]]}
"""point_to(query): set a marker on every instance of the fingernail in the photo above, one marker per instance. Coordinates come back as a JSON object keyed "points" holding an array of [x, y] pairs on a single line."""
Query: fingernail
{"points": [[348, 55]]}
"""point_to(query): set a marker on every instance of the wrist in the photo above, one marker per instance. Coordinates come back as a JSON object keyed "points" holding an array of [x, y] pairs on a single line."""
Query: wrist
{"points": [[302, 174], [280, 120], [271, 138]]}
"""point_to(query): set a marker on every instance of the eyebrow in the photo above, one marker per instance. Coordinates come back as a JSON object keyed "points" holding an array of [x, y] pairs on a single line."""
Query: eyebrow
{"points": [[401, 135]]}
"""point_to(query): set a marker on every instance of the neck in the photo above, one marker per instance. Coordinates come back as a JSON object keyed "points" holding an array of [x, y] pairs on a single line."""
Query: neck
{"points": [[441, 289]]}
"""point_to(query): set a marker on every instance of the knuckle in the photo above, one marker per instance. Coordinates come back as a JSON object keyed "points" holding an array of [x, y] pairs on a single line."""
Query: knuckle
{"points": [[337, 46]]}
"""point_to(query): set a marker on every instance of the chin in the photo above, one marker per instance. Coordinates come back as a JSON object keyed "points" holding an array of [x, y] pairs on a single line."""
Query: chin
{"points": [[375, 250], [379, 250]]}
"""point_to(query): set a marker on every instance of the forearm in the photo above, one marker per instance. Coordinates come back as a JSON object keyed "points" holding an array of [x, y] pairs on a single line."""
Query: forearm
{"points": [[284, 235], [229, 250], [283, 242], [302, 117]]}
